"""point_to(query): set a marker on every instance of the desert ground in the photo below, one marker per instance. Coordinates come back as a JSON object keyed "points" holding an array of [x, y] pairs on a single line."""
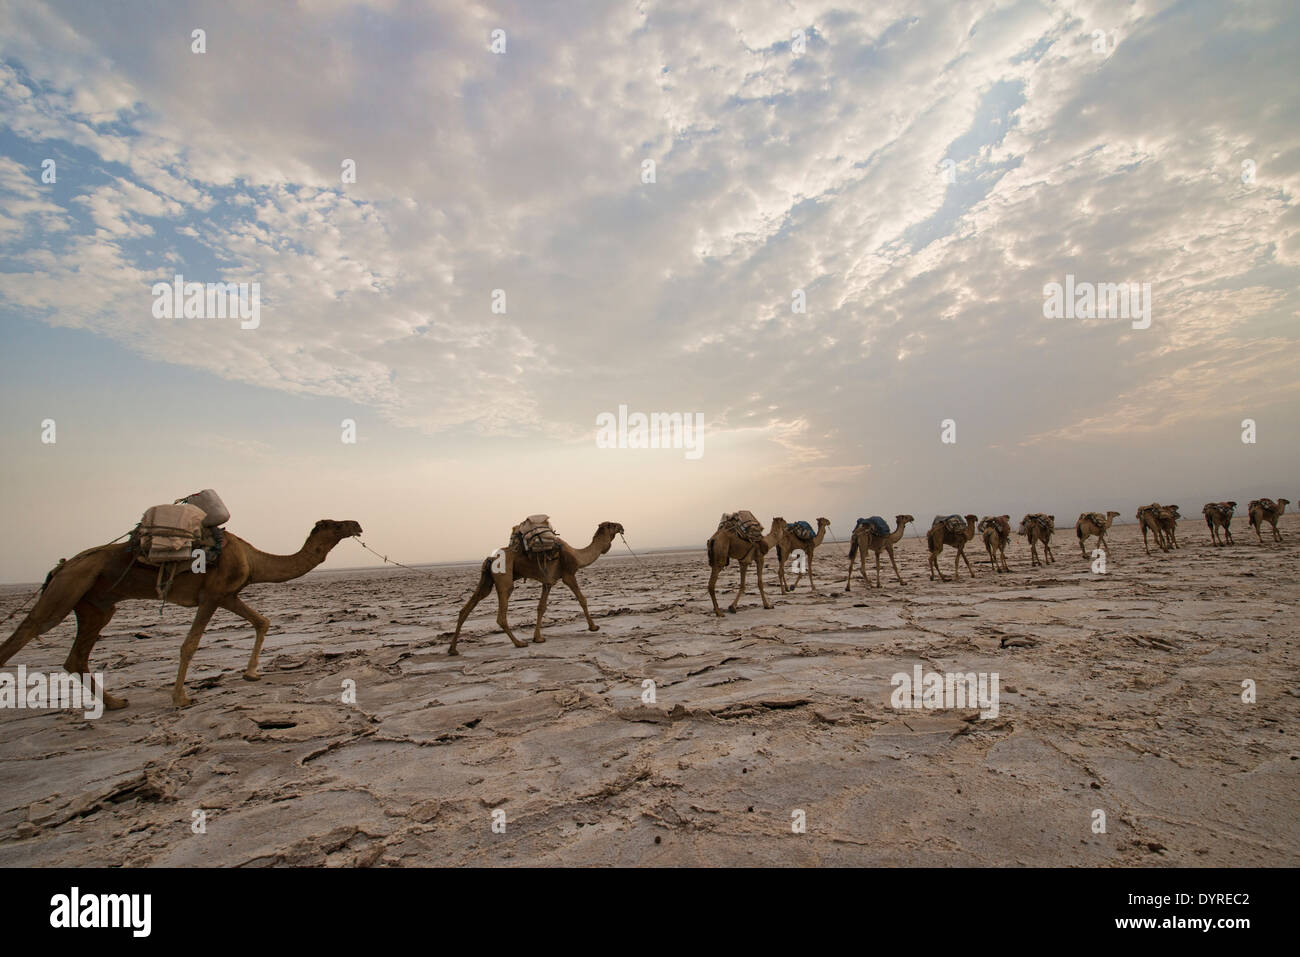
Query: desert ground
{"points": [[1120, 692]]}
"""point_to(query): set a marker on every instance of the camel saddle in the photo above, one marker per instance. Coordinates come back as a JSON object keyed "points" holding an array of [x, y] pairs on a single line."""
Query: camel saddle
{"points": [[535, 536], [1096, 518], [876, 525], [801, 530], [955, 523], [1003, 526], [1267, 504], [1042, 521], [742, 524]]}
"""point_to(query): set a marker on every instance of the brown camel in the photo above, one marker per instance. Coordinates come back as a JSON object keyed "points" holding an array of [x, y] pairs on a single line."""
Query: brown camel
{"points": [[1148, 517], [1094, 523], [1219, 514], [1038, 527], [517, 564], [788, 543], [996, 531], [1168, 517], [93, 583], [1263, 510], [771, 538], [866, 536], [724, 545], [941, 534]]}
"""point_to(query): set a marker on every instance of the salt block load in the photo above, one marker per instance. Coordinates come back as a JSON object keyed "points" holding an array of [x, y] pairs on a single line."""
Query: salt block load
{"points": [[168, 532], [214, 510]]}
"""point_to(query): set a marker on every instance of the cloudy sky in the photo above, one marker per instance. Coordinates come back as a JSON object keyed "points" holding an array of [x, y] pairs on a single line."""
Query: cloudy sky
{"points": [[919, 170]]}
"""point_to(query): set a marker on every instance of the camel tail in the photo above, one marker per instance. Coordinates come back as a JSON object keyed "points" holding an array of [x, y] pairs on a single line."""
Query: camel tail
{"points": [[709, 547], [1078, 530], [853, 547]]}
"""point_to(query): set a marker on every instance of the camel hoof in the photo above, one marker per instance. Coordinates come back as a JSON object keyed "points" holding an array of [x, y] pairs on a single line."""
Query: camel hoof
{"points": [[183, 701], [452, 651], [769, 606], [252, 676], [538, 640], [594, 628], [732, 610], [112, 703]]}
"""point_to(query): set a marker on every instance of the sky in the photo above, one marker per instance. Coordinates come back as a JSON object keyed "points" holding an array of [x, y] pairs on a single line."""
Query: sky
{"points": [[504, 270]]}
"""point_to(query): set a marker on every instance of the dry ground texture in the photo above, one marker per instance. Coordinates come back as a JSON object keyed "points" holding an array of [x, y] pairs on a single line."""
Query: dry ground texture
{"points": [[1120, 692]]}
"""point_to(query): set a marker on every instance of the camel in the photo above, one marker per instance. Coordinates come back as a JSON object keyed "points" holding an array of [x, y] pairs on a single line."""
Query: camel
{"points": [[996, 531], [1038, 527], [865, 537], [771, 538], [1148, 517], [942, 534], [724, 545], [1219, 514], [1263, 510], [1168, 517], [788, 543], [518, 564], [91, 585], [1092, 523]]}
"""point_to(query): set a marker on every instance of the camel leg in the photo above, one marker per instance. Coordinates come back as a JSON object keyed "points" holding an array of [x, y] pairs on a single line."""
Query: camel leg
{"points": [[761, 593], [91, 621], [541, 610], [744, 567], [897, 574], [504, 588], [891, 558], [713, 592], [572, 581], [812, 585], [201, 618], [850, 578], [482, 591], [260, 625], [39, 620]]}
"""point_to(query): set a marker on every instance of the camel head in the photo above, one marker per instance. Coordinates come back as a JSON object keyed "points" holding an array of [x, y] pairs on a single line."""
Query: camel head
{"points": [[1112, 515], [972, 520], [608, 530], [901, 520], [778, 523], [823, 523], [1173, 509], [1283, 503], [329, 528]]}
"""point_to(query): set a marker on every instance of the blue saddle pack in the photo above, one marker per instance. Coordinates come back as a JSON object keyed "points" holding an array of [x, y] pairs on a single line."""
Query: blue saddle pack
{"points": [[801, 530], [878, 526]]}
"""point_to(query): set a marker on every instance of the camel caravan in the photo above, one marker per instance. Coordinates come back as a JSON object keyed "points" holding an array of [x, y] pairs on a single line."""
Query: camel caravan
{"points": [[181, 554]]}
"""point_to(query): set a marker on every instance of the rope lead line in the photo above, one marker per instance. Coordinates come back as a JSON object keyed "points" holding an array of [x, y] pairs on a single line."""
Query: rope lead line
{"points": [[389, 561]]}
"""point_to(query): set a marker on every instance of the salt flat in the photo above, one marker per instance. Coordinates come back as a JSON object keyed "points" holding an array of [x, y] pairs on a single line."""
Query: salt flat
{"points": [[1120, 693]]}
